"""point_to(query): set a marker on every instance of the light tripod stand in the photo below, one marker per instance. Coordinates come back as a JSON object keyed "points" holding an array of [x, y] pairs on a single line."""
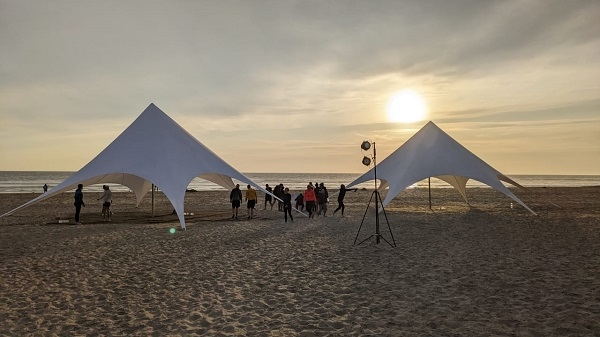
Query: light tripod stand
{"points": [[366, 145]]}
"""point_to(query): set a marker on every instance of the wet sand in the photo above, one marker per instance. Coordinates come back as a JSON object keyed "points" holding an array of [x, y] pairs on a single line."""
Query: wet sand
{"points": [[484, 270]]}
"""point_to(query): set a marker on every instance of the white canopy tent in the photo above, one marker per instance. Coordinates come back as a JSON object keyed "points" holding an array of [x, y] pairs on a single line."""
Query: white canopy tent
{"points": [[154, 149], [433, 153]]}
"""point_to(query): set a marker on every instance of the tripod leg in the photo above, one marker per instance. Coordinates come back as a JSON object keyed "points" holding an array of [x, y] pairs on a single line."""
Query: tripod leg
{"points": [[365, 239], [363, 219], [388, 223], [388, 242]]}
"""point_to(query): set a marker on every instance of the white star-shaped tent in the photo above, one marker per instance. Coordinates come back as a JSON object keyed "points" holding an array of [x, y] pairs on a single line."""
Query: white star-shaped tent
{"points": [[433, 153], [154, 149]]}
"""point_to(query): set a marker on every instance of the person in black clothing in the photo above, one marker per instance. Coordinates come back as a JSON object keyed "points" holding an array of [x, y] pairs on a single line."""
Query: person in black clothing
{"points": [[322, 199], [279, 191], [287, 204], [78, 202], [236, 200], [277, 195], [268, 197], [300, 201], [341, 196], [316, 189]]}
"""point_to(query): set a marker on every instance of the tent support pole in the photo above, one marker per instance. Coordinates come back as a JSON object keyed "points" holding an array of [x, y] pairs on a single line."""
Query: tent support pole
{"points": [[153, 200], [429, 179]]}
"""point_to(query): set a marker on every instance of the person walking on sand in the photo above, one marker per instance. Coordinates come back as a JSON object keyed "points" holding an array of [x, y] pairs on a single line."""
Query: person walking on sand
{"points": [[314, 188], [322, 198], [106, 201], [341, 196], [78, 202], [251, 198], [287, 204], [45, 187], [268, 197], [235, 197], [310, 200]]}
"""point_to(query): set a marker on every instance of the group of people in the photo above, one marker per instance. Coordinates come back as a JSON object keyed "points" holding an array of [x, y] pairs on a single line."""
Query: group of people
{"points": [[235, 197], [314, 200], [106, 202], [283, 195]]}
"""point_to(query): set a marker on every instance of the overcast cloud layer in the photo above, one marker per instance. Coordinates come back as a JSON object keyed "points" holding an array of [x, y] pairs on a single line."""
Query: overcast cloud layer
{"points": [[295, 86]]}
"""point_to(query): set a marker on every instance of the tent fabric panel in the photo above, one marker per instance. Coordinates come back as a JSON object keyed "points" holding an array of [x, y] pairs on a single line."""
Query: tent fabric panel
{"points": [[459, 183], [219, 179]]}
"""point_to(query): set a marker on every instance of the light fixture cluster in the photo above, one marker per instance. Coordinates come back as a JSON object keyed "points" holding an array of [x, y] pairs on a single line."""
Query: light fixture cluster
{"points": [[366, 145]]}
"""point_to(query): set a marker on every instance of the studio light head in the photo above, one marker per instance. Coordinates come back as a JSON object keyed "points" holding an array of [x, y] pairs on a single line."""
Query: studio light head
{"points": [[365, 145]]}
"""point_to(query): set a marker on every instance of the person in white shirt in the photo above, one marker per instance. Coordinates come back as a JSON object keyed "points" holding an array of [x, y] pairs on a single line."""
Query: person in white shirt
{"points": [[106, 201]]}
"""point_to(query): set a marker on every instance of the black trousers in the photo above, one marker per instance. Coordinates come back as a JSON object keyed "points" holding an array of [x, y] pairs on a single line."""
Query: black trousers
{"points": [[77, 211], [287, 209], [340, 206]]}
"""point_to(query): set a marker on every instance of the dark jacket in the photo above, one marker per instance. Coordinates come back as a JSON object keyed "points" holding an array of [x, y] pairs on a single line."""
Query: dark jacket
{"points": [[287, 199], [236, 194], [79, 197]]}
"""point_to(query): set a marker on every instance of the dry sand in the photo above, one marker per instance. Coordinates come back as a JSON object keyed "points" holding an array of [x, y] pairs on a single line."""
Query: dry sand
{"points": [[488, 270]]}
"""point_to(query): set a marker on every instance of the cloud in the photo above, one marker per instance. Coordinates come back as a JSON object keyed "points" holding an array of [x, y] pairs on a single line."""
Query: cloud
{"points": [[296, 74]]}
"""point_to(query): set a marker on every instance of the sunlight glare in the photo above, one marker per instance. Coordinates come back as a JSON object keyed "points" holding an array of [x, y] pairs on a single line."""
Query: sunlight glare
{"points": [[406, 106]]}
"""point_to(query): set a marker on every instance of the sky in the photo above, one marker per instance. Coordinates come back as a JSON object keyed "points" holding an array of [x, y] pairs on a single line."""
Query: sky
{"points": [[296, 86]]}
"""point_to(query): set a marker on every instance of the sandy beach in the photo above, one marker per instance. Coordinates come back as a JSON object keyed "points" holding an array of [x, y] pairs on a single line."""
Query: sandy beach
{"points": [[484, 270]]}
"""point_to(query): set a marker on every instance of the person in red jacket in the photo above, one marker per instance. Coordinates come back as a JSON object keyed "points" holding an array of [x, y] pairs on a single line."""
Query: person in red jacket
{"points": [[310, 200]]}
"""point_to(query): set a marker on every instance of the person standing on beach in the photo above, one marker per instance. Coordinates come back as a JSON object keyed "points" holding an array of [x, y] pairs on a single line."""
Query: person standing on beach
{"points": [[45, 187], [106, 201], [268, 197], [278, 191], [300, 201], [251, 198], [78, 202], [316, 190], [287, 204], [341, 196], [310, 199], [236, 200]]}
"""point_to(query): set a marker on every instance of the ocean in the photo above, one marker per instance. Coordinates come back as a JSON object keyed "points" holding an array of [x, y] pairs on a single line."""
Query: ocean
{"points": [[32, 181]]}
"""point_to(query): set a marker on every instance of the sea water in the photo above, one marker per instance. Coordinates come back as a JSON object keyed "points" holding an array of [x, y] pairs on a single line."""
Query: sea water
{"points": [[32, 181]]}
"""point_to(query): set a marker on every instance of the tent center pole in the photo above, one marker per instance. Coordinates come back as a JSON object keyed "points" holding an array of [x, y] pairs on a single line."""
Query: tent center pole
{"points": [[429, 180], [152, 200]]}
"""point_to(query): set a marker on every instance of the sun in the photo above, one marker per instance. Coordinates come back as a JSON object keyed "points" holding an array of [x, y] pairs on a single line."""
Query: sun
{"points": [[406, 106]]}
